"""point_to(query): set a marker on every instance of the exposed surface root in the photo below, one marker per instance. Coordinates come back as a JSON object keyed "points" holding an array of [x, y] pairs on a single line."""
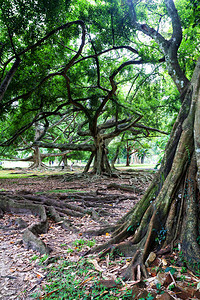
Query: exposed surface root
{"points": [[124, 187], [30, 235], [136, 269], [61, 207]]}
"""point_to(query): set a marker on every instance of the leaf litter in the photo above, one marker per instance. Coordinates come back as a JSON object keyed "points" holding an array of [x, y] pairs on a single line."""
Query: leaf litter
{"points": [[22, 270]]}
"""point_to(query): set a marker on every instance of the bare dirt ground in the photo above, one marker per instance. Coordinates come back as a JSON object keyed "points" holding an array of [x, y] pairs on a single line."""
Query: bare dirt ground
{"points": [[21, 272]]}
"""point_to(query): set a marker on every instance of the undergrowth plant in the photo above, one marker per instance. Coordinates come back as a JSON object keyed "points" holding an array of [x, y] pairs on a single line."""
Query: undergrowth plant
{"points": [[78, 280]]}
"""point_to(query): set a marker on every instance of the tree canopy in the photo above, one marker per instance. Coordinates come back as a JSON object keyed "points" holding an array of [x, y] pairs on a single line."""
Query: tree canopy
{"points": [[94, 64]]}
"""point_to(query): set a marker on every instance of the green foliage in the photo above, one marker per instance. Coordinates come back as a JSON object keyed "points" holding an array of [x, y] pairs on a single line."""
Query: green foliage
{"points": [[79, 244], [198, 240], [43, 259], [171, 287], [149, 297], [130, 228], [66, 281], [35, 257], [38, 89], [171, 270], [161, 235]]}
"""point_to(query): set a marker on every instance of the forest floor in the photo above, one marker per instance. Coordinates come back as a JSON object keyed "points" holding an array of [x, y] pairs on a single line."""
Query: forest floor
{"points": [[67, 273]]}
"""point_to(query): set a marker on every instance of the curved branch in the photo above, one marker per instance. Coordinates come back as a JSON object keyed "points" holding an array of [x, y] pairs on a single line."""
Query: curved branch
{"points": [[74, 102], [176, 24], [37, 118], [108, 50], [10, 74], [121, 129], [147, 30], [8, 78], [168, 47], [114, 88], [150, 128], [38, 43], [78, 147]]}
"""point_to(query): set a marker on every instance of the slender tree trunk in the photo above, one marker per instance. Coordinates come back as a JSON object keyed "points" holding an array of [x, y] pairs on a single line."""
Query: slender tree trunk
{"points": [[86, 169], [37, 157], [64, 158], [142, 158], [115, 157], [128, 155], [117, 153]]}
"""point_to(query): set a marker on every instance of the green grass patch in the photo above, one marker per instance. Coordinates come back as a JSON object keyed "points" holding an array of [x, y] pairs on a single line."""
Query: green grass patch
{"points": [[10, 175], [136, 166], [13, 174]]}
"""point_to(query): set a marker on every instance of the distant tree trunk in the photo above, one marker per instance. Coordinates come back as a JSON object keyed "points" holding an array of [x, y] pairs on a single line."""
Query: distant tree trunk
{"points": [[168, 213], [37, 157], [128, 149], [135, 158], [101, 163], [37, 161], [64, 158], [143, 158], [115, 157]]}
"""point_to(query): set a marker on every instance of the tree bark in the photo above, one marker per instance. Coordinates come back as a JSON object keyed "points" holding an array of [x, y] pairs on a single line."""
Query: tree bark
{"points": [[8, 78], [168, 47], [168, 214], [128, 148], [115, 157], [101, 163]]}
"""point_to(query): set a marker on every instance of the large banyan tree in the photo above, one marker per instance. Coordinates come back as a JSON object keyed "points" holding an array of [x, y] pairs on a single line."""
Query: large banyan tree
{"points": [[86, 82], [168, 213]]}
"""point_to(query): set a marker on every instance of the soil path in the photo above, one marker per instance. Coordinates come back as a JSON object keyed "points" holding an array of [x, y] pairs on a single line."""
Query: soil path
{"points": [[20, 272]]}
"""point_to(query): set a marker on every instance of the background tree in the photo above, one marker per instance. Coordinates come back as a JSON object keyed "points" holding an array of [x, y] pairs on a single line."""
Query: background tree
{"points": [[88, 83]]}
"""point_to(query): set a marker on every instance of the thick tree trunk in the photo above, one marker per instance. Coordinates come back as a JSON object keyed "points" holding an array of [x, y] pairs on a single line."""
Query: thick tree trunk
{"points": [[37, 161], [101, 163], [86, 169], [168, 214]]}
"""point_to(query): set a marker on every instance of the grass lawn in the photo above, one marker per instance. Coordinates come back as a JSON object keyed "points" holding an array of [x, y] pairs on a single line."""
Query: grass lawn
{"points": [[138, 166]]}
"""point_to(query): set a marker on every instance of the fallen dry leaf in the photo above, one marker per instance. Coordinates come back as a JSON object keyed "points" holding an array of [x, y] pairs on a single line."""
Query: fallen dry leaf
{"points": [[96, 265], [164, 262]]}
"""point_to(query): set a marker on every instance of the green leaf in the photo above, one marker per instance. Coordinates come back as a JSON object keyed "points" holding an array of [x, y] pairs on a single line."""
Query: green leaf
{"points": [[171, 270]]}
